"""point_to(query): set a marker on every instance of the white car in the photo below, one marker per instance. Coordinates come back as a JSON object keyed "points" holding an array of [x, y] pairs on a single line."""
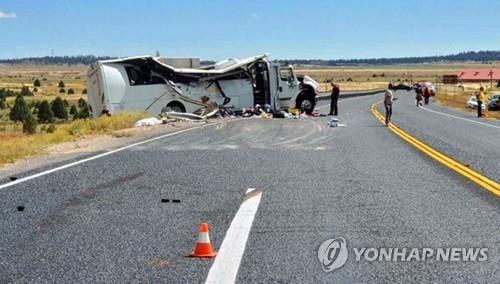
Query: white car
{"points": [[431, 87], [472, 103]]}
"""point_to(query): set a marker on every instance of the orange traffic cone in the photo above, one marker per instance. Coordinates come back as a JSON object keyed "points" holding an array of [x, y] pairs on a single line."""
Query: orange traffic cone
{"points": [[203, 248]]}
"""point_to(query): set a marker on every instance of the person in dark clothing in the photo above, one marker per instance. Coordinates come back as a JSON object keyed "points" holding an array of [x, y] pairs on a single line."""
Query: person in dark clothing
{"points": [[427, 95], [334, 99], [388, 99]]}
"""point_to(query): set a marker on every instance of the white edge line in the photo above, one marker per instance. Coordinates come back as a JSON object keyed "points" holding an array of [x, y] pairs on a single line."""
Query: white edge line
{"points": [[466, 119], [228, 259], [18, 181]]}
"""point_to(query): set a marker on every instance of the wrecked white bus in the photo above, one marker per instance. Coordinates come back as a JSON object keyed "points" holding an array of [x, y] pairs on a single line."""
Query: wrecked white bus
{"points": [[154, 84]]}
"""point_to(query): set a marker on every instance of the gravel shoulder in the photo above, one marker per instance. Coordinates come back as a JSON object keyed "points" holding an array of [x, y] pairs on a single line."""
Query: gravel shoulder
{"points": [[87, 146]]}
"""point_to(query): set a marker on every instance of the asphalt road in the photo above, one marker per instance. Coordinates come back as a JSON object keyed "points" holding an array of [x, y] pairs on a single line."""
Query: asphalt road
{"points": [[103, 220], [470, 140]]}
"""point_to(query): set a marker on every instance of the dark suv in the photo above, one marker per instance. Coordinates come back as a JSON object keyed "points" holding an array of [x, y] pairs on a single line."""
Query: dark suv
{"points": [[494, 103]]}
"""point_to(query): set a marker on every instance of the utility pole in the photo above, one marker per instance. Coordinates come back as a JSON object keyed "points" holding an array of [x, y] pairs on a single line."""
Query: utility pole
{"points": [[491, 79]]}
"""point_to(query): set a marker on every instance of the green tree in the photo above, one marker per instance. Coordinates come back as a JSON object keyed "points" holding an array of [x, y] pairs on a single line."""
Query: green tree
{"points": [[25, 91], [61, 84], [65, 103], [83, 109], [45, 114], [2, 105], [29, 124], [74, 112], [58, 109], [62, 91], [36, 83], [20, 109], [71, 92]]}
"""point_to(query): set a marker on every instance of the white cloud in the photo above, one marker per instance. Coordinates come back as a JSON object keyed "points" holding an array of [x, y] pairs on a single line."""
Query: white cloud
{"points": [[7, 15]]}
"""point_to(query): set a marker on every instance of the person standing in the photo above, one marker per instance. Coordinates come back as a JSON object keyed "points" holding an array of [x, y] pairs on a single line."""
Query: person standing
{"points": [[388, 98], [334, 99], [427, 95], [480, 100], [418, 96]]}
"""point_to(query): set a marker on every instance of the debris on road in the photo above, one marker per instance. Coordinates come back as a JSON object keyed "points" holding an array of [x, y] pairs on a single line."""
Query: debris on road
{"points": [[334, 122], [148, 122]]}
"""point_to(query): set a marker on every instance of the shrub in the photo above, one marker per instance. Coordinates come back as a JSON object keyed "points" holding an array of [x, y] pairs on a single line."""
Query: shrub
{"points": [[20, 109], [61, 84], [71, 92], [25, 91], [62, 91], [84, 91], [35, 90], [58, 109], [51, 129], [36, 83], [83, 111], [45, 114], [74, 112], [2, 105], [29, 124]]}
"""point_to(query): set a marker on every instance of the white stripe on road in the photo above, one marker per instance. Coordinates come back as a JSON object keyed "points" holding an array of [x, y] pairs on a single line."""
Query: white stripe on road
{"points": [[227, 262], [458, 117], [18, 181]]}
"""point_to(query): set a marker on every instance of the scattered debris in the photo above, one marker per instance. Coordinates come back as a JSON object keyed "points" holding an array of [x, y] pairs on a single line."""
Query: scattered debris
{"points": [[183, 116], [148, 122], [334, 122], [166, 200]]}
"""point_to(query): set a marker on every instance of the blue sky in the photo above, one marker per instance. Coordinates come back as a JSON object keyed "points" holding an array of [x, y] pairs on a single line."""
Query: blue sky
{"points": [[221, 29]]}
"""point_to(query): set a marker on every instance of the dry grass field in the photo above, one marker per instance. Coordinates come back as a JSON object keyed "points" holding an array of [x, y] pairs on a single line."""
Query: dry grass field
{"points": [[14, 77], [16, 145], [375, 77]]}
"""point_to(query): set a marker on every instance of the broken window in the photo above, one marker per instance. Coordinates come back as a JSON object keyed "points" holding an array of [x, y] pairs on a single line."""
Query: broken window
{"points": [[286, 74], [138, 76]]}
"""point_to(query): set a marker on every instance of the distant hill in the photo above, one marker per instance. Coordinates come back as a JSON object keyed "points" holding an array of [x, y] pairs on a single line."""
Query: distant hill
{"points": [[470, 56], [56, 60]]}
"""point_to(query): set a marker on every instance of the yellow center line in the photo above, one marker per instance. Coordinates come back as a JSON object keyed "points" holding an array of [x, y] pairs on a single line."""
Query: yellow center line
{"points": [[461, 169]]}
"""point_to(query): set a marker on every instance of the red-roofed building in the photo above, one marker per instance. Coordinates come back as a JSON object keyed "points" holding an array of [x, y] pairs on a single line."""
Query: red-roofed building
{"points": [[479, 75]]}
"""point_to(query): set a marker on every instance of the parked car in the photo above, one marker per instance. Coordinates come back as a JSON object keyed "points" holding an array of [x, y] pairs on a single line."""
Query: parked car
{"points": [[402, 86], [472, 103], [494, 102]]}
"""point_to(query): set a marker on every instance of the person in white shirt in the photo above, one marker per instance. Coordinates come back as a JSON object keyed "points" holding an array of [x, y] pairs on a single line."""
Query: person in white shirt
{"points": [[388, 98]]}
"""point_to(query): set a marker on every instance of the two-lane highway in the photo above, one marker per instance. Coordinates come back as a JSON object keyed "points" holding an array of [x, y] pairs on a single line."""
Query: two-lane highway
{"points": [[103, 220]]}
